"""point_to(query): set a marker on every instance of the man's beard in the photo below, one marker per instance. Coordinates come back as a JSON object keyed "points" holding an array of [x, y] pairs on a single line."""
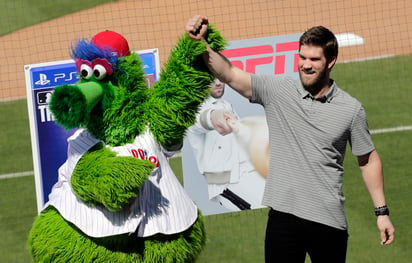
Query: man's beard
{"points": [[317, 84]]}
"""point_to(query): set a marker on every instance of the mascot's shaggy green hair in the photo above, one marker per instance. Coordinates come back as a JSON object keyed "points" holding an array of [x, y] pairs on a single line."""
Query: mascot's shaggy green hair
{"points": [[117, 199]]}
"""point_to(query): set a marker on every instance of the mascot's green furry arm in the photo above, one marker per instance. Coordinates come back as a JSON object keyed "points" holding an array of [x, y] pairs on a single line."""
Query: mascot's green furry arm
{"points": [[117, 199]]}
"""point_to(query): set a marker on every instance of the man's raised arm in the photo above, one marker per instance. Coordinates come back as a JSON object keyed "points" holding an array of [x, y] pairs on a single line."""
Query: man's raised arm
{"points": [[239, 80]]}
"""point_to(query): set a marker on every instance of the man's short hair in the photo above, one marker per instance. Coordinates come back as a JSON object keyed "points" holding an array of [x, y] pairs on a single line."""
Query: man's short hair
{"points": [[322, 37]]}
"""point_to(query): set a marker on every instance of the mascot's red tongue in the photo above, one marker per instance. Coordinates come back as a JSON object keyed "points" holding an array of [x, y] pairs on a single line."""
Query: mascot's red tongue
{"points": [[112, 41]]}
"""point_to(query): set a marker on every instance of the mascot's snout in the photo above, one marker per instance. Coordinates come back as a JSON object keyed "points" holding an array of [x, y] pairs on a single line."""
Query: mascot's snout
{"points": [[71, 105]]}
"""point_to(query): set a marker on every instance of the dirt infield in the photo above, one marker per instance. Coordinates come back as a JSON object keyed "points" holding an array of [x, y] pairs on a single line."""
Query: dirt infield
{"points": [[386, 27]]}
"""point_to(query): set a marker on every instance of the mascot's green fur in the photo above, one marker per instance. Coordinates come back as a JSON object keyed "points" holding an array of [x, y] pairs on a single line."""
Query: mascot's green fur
{"points": [[113, 106]]}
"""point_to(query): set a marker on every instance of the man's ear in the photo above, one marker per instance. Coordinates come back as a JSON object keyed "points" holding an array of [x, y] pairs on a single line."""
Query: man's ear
{"points": [[332, 62]]}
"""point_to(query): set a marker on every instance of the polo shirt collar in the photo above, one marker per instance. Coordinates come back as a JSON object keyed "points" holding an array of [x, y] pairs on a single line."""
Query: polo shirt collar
{"points": [[326, 98]]}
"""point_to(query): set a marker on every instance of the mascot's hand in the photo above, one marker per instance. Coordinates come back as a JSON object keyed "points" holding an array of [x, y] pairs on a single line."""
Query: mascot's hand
{"points": [[101, 177], [220, 120]]}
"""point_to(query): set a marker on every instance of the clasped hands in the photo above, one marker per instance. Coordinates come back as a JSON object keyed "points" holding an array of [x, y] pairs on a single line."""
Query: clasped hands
{"points": [[224, 121]]}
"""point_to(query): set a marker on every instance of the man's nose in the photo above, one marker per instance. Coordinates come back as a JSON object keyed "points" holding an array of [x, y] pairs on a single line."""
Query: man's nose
{"points": [[306, 64]]}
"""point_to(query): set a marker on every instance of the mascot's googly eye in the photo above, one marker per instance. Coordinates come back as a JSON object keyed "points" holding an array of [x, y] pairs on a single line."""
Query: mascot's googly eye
{"points": [[86, 71], [84, 67], [101, 68], [99, 72]]}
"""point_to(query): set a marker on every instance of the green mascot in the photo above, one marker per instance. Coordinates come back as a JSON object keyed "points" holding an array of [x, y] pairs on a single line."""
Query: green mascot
{"points": [[116, 198]]}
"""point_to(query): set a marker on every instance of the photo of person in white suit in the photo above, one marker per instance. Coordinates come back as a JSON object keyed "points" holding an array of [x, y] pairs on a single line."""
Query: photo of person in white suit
{"points": [[232, 180]]}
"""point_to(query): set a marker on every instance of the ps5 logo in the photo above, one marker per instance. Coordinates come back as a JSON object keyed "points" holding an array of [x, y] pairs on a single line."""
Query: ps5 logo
{"points": [[49, 79], [43, 80]]}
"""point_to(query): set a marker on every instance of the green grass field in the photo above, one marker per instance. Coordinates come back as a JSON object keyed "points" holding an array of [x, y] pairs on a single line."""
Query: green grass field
{"points": [[38, 11], [384, 88]]}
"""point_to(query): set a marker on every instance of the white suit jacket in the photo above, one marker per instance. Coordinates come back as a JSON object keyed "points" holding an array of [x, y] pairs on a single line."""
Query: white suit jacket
{"points": [[213, 152]]}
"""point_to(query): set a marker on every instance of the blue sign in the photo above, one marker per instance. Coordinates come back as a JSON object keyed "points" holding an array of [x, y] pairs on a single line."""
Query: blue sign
{"points": [[49, 140]]}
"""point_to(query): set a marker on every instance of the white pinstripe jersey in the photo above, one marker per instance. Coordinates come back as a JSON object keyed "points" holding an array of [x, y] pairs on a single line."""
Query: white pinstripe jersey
{"points": [[162, 205]]}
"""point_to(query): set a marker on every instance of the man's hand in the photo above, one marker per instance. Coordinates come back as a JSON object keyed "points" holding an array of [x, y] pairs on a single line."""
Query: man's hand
{"points": [[221, 121], [197, 26], [386, 229]]}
